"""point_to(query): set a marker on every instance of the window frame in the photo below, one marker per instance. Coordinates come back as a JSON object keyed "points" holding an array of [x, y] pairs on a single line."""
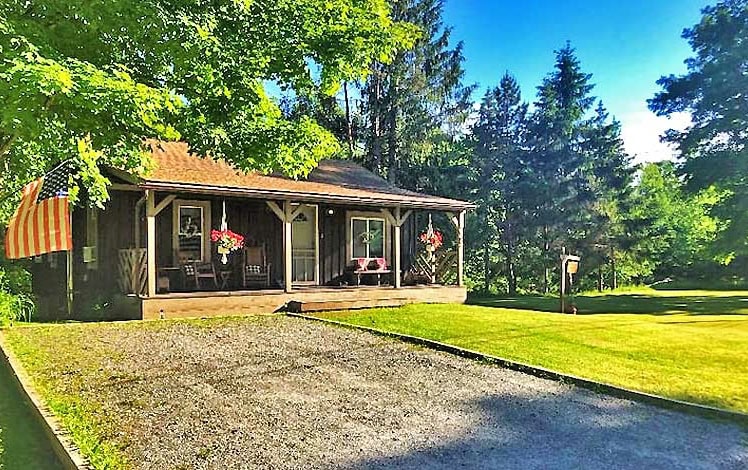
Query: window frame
{"points": [[205, 245], [368, 219]]}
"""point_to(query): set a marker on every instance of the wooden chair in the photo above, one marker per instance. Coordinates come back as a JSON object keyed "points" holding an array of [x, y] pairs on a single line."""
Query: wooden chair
{"points": [[194, 272], [255, 269]]}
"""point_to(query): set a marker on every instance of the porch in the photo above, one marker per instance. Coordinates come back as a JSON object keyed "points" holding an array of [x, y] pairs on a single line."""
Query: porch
{"points": [[310, 256], [201, 304]]}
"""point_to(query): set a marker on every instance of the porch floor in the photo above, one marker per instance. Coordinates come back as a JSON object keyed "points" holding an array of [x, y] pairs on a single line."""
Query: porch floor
{"points": [[221, 303]]}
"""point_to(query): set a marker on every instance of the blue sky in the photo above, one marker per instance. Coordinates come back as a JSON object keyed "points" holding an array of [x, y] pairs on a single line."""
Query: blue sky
{"points": [[626, 44]]}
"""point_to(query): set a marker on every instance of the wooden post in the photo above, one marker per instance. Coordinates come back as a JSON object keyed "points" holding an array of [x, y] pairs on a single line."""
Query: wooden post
{"points": [[563, 280], [150, 212], [461, 249], [459, 222], [69, 284], [396, 249], [287, 245]]}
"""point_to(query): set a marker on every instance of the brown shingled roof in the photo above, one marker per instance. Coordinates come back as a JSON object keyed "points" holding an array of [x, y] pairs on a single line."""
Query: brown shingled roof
{"points": [[333, 181]]}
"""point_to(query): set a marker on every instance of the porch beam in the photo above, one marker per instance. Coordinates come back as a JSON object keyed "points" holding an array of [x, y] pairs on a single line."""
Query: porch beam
{"points": [[276, 210], [396, 248], [164, 204], [404, 218], [287, 249], [388, 215], [151, 241], [297, 211], [124, 187]]}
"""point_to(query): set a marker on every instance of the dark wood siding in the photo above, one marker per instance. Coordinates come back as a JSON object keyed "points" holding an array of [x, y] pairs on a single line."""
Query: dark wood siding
{"points": [[332, 244]]}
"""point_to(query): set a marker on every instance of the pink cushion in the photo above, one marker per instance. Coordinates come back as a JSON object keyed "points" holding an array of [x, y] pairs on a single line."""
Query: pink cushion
{"points": [[381, 263], [362, 263]]}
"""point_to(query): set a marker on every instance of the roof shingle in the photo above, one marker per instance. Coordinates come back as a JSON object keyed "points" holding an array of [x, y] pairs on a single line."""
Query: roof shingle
{"points": [[336, 181]]}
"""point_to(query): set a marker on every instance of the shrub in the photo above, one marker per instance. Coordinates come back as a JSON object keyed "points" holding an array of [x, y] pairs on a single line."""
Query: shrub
{"points": [[15, 307]]}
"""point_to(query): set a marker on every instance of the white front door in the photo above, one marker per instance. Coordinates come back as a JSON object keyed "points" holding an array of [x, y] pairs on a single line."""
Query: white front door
{"points": [[304, 246]]}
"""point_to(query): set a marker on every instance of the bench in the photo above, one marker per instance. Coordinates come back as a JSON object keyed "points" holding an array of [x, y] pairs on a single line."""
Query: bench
{"points": [[369, 267]]}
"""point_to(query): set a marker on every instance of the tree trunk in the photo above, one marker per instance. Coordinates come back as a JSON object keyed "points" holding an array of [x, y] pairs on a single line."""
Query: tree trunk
{"points": [[511, 275], [348, 126], [613, 284], [392, 154], [486, 266], [546, 250], [600, 278], [375, 108]]}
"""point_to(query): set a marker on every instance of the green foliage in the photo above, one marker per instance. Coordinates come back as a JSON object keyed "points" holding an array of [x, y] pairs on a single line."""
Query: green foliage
{"points": [[670, 231], [554, 178], [91, 80], [414, 106], [712, 92], [16, 299]]}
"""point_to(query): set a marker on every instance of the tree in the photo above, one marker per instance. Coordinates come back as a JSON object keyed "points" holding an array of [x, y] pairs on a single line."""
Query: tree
{"points": [[713, 149], [557, 159], [608, 172], [417, 101], [91, 80], [671, 231], [500, 177]]}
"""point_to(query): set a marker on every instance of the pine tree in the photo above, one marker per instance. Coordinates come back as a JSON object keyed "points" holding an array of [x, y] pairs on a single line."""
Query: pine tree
{"points": [[557, 159], [416, 102], [499, 136], [609, 174]]}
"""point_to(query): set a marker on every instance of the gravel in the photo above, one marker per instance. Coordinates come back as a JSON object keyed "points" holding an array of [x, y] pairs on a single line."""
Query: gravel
{"points": [[278, 392]]}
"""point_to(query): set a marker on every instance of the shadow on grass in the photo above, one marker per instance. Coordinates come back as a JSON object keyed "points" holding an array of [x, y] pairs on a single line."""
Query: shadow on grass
{"points": [[627, 303], [573, 430], [23, 443]]}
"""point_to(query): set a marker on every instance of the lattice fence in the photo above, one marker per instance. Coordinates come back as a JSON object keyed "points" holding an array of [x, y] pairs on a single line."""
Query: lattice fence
{"points": [[132, 274], [441, 270]]}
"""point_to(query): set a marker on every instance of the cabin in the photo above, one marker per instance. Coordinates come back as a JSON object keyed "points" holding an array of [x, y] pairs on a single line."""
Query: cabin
{"points": [[342, 238]]}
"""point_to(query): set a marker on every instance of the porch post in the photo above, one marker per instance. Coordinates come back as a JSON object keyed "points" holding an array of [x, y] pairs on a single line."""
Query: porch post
{"points": [[150, 212], [287, 249], [396, 249], [460, 248]]}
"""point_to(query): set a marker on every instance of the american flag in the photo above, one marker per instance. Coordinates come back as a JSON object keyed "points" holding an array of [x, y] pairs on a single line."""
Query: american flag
{"points": [[41, 224]]}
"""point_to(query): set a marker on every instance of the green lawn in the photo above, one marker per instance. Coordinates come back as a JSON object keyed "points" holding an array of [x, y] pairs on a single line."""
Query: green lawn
{"points": [[23, 443], [688, 345]]}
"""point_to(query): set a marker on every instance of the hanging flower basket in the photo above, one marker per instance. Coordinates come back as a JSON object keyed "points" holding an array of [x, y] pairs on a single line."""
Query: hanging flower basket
{"points": [[432, 239], [226, 241]]}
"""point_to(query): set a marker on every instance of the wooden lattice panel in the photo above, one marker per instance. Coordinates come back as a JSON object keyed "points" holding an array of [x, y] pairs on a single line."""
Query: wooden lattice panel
{"points": [[132, 269], [443, 267]]}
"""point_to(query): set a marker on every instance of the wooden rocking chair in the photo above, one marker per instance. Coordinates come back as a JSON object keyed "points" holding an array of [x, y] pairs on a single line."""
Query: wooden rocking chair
{"points": [[194, 272], [255, 269]]}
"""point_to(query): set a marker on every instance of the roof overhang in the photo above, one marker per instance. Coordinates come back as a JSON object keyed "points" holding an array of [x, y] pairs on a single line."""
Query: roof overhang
{"points": [[280, 195]]}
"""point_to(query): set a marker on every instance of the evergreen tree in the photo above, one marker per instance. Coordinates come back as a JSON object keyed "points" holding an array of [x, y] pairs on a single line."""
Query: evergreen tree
{"points": [[415, 103], [557, 158], [500, 178], [608, 171]]}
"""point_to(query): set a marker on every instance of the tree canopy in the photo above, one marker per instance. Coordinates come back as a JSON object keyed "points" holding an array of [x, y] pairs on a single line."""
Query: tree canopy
{"points": [[714, 148], [90, 80]]}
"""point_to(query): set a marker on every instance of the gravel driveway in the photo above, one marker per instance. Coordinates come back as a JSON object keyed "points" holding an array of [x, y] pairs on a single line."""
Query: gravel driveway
{"points": [[277, 392]]}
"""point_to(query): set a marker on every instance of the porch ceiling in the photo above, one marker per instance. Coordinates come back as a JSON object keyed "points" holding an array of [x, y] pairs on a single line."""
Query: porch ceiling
{"points": [[333, 181]]}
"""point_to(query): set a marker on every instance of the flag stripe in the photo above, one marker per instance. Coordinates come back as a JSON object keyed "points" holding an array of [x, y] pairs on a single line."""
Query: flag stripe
{"points": [[41, 223]]}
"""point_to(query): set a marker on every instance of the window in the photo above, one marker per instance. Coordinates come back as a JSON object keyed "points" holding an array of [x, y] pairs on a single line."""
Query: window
{"points": [[367, 237], [191, 226]]}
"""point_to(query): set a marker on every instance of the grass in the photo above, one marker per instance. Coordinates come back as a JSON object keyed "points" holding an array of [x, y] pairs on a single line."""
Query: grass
{"points": [[687, 345], [23, 443], [55, 372]]}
